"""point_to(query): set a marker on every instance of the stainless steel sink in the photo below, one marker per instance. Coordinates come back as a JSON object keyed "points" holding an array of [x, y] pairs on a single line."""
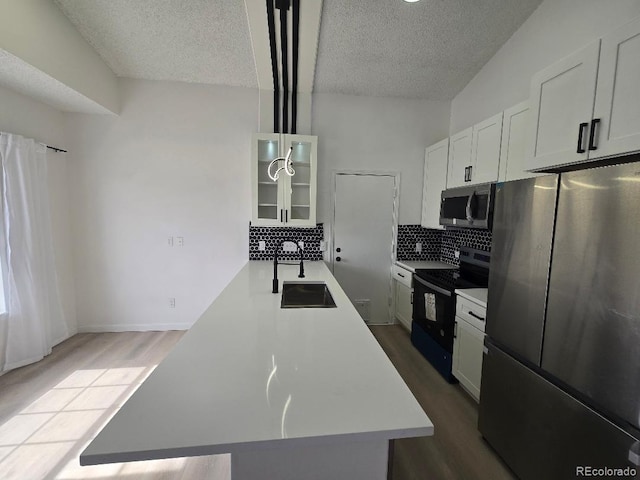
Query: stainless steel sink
{"points": [[306, 295]]}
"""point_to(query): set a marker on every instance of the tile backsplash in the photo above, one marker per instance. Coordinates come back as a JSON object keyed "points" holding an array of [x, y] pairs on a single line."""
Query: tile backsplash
{"points": [[409, 235], [439, 244], [273, 235], [454, 238]]}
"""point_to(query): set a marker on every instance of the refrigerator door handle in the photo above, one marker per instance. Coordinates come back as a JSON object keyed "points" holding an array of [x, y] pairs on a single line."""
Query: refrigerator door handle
{"points": [[634, 454]]}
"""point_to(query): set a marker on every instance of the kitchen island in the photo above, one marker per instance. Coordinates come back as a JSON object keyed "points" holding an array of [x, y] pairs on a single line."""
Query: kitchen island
{"points": [[291, 393]]}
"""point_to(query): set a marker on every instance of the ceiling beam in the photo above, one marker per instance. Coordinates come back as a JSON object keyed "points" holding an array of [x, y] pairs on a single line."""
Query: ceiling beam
{"points": [[37, 33]]}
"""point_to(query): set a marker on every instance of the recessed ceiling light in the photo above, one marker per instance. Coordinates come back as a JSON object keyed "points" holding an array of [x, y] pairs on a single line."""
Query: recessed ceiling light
{"points": [[411, 1]]}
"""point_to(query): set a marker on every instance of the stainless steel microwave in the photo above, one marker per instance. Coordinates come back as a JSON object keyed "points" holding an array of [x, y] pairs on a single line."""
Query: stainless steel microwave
{"points": [[470, 207]]}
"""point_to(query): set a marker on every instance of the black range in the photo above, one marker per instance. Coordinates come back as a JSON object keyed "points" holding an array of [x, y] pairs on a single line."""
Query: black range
{"points": [[434, 306]]}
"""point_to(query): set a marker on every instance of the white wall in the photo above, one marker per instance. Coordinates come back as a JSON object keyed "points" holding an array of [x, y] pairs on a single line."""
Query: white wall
{"points": [[27, 117], [556, 29], [176, 162], [380, 134]]}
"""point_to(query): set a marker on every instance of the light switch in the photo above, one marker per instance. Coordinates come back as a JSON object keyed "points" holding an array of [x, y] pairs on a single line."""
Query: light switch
{"points": [[180, 241], [418, 247], [262, 246]]}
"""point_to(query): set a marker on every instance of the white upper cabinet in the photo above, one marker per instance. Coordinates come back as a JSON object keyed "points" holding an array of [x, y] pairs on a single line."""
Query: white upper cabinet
{"points": [[561, 104], [474, 153], [577, 118], [459, 158], [515, 125], [485, 150], [300, 189], [435, 180], [291, 200], [618, 95]]}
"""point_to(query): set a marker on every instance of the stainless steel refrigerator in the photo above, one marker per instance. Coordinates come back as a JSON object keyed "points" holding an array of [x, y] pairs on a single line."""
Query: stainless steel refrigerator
{"points": [[560, 389]]}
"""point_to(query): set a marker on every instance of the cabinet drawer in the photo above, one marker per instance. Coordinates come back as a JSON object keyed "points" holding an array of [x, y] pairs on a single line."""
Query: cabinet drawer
{"points": [[471, 312], [402, 275]]}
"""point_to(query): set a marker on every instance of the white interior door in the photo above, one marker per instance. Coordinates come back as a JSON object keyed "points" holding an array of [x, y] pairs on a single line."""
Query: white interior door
{"points": [[363, 227]]}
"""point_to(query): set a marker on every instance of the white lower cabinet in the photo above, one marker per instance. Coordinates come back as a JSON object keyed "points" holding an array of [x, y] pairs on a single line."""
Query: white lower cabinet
{"points": [[468, 346], [403, 296]]}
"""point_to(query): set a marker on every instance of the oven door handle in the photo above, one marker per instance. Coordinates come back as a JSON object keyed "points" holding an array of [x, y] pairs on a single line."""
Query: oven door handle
{"points": [[432, 286]]}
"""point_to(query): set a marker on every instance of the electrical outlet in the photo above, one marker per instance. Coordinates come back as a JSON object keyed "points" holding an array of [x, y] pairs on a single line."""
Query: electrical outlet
{"points": [[301, 244], [418, 247], [323, 246], [180, 241], [172, 302], [456, 253], [170, 241], [262, 245]]}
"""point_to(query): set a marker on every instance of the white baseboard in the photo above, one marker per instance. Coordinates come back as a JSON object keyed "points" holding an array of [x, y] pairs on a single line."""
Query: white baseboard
{"points": [[128, 327]]}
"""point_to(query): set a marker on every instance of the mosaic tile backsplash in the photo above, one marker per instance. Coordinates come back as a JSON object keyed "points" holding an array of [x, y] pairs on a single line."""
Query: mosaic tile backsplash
{"points": [[409, 235], [274, 235], [454, 238], [439, 245]]}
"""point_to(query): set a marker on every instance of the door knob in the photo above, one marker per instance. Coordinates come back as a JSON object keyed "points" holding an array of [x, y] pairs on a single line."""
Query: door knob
{"points": [[338, 259], [338, 249]]}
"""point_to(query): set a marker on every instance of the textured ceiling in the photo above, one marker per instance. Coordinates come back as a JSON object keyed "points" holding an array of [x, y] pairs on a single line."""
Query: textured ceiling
{"points": [[430, 49], [200, 41]]}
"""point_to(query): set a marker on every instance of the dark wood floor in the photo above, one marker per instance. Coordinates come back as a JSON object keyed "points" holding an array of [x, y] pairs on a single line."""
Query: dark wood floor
{"points": [[457, 450]]}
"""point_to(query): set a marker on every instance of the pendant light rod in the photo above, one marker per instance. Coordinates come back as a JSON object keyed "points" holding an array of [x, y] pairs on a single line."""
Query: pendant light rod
{"points": [[274, 66], [295, 46], [283, 5]]}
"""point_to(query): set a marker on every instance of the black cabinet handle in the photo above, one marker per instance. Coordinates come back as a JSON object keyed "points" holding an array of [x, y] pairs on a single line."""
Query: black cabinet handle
{"points": [[281, 214], [580, 135], [411, 298], [286, 216], [338, 250], [338, 259], [470, 172], [400, 275], [476, 316], [592, 134]]}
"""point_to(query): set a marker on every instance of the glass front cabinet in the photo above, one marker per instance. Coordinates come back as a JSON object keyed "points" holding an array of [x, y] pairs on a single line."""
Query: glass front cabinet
{"points": [[291, 200]]}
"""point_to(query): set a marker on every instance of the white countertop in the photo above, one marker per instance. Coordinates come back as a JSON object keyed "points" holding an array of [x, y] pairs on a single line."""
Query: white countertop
{"points": [[476, 295], [249, 374], [412, 265]]}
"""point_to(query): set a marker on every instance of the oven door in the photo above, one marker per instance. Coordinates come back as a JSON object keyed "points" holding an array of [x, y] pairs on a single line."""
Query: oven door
{"points": [[434, 309]]}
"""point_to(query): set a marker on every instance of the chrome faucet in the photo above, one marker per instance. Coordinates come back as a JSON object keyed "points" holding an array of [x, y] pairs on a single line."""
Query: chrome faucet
{"points": [[275, 262]]}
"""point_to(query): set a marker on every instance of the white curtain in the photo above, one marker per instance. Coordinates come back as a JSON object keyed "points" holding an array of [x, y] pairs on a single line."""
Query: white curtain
{"points": [[33, 320]]}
